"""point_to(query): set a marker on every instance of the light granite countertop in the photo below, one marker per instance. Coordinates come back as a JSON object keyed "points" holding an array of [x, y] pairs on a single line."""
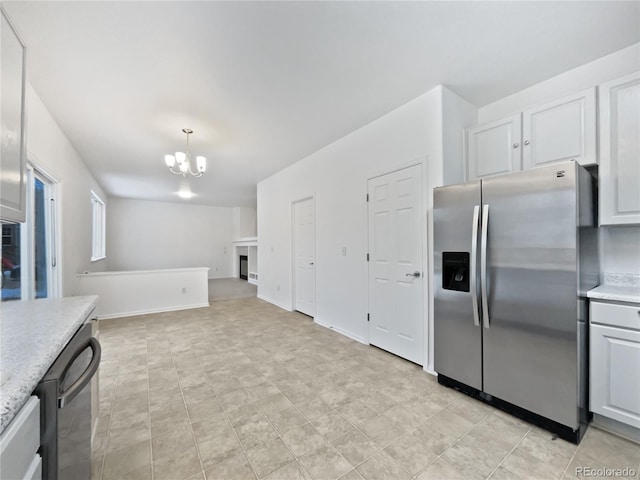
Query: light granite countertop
{"points": [[32, 336], [617, 288]]}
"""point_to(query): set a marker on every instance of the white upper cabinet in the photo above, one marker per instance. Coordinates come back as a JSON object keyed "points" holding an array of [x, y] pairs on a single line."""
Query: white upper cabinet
{"points": [[560, 131], [555, 132], [494, 148], [13, 148], [620, 151]]}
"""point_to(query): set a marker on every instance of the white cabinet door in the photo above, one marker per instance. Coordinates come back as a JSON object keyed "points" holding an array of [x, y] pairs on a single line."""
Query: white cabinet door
{"points": [[615, 376], [20, 441], [494, 148], [13, 146], [560, 131], [620, 151]]}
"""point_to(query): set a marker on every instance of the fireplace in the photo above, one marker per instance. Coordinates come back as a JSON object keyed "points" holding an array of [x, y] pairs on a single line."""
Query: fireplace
{"points": [[244, 267]]}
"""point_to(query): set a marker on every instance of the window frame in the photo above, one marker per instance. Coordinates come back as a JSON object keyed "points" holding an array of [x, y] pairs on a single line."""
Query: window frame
{"points": [[27, 237], [98, 228]]}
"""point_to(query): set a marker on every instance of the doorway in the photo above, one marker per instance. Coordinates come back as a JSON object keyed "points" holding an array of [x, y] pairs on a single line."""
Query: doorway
{"points": [[395, 277], [29, 249], [304, 246]]}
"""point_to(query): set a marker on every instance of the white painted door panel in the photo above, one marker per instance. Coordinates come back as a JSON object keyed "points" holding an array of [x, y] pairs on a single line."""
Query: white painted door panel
{"points": [[395, 254], [615, 376], [620, 151], [560, 131], [304, 255], [494, 148]]}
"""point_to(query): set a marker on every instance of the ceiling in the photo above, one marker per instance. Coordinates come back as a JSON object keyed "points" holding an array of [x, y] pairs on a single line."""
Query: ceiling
{"points": [[264, 84]]}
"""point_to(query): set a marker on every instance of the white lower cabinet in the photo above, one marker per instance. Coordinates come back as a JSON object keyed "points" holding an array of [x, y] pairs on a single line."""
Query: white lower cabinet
{"points": [[615, 362], [19, 444], [35, 469]]}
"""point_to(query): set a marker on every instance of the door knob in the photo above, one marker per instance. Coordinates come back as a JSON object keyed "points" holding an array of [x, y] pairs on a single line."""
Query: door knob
{"points": [[310, 263], [414, 274]]}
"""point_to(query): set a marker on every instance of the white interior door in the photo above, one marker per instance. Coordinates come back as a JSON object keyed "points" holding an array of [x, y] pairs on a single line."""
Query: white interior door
{"points": [[395, 263], [304, 253]]}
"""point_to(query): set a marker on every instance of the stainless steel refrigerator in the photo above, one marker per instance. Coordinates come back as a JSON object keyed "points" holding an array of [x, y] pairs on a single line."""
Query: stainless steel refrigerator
{"points": [[514, 257]]}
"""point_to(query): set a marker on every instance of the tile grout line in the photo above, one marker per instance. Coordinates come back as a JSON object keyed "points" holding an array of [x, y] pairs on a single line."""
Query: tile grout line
{"points": [[455, 441], [566, 469], [108, 431], [184, 401], [146, 347], [510, 452], [244, 452]]}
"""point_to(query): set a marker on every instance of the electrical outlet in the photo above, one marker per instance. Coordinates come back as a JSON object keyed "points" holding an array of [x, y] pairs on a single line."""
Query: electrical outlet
{"points": [[344, 251], [184, 289]]}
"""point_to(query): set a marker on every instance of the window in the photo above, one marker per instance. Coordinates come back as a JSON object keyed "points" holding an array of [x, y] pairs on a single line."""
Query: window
{"points": [[29, 252], [98, 236]]}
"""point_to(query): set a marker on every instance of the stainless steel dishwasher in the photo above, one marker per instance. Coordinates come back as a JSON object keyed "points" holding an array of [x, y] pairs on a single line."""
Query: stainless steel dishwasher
{"points": [[65, 409]]}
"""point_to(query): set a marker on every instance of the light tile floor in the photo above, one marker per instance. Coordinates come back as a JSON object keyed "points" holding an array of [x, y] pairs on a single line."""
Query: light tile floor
{"points": [[226, 288], [245, 390]]}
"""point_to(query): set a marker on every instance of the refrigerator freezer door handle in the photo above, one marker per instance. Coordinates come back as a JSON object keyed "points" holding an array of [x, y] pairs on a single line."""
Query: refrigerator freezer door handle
{"points": [[472, 267], [483, 265]]}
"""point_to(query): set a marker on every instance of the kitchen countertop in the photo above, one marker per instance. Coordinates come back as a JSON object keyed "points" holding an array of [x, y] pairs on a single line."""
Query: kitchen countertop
{"points": [[32, 336], [617, 287]]}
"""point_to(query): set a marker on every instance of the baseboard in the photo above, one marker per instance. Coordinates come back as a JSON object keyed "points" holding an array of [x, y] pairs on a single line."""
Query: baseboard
{"points": [[277, 304], [617, 428], [342, 332], [151, 310]]}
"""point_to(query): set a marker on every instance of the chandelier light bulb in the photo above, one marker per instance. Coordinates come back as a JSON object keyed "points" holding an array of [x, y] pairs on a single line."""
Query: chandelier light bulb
{"points": [[201, 163], [183, 160]]}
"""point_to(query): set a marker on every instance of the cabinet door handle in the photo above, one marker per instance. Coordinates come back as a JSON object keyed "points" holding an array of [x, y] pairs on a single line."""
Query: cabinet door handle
{"points": [[516, 145], [527, 142]]}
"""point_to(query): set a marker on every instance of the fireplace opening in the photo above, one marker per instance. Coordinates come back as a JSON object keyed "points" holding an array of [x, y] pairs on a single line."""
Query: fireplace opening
{"points": [[244, 267]]}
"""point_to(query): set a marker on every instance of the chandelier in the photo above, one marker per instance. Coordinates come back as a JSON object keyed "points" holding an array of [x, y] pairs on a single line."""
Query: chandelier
{"points": [[183, 160]]}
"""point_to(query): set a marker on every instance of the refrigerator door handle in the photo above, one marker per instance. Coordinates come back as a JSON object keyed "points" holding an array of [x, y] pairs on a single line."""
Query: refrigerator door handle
{"points": [[483, 265], [472, 268]]}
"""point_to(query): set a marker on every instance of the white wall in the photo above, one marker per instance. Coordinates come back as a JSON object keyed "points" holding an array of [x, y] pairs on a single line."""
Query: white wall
{"points": [[609, 67], [620, 250], [146, 235], [139, 292], [244, 222], [456, 116], [50, 150], [337, 177]]}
